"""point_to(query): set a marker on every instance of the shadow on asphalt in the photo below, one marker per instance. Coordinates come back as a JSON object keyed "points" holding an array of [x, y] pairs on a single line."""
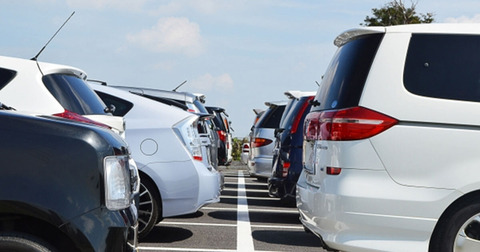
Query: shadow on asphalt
{"points": [[166, 234], [291, 238]]}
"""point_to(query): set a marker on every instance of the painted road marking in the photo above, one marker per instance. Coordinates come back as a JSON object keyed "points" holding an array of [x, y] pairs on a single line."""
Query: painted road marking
{"points": [[244, 231]]}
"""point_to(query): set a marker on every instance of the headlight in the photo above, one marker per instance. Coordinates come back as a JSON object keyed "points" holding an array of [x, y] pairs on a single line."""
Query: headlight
{"points": [[117, 182]]}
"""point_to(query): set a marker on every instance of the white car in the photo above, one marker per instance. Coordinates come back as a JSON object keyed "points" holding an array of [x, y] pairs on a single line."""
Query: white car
{"points": [[167, 148], [391, 157], [40, 88]]}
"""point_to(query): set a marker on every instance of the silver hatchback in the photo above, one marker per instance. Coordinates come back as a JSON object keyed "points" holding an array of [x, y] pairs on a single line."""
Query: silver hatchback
{"points": [[261, 140]]}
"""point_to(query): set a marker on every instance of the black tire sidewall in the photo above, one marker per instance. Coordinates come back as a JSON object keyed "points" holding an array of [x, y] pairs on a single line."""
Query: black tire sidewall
{"points": [[446, 232], [23, 242]]}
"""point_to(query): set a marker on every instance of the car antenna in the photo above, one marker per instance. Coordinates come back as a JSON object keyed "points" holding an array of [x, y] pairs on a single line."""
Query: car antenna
{"points": [[38, 54], [318, 84], [181, 84]]}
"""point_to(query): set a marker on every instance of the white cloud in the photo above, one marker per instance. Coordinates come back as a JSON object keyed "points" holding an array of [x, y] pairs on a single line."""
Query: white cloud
{"points": [[171, 35], [464, 19], [107, 4], [208, 82]]}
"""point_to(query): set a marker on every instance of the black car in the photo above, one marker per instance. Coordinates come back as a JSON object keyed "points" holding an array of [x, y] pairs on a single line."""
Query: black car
{"points": [[224, 132], [65, 186], [287, 153]]}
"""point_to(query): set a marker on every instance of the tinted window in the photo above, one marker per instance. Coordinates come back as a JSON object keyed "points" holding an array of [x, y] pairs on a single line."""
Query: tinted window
{"points": [[121, 106], [74, 94], [271, 118], [6, 76], [345, 77], [288, 114], [443, 66], [291, 103]]}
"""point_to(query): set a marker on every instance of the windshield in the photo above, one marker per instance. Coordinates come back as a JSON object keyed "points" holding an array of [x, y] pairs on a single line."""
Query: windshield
{"points": [[74, 94]]}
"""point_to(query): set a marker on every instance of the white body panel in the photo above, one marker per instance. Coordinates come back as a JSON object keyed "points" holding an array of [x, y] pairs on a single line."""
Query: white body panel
{"points": [[26, 91], [393, 187], [185, 185]]}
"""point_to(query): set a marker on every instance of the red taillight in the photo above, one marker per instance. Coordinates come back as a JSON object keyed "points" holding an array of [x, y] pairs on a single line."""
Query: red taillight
{"points": [[346, 124], [245, 148], [259, 142], [333, 170], [286, 166], [222, 135], [299, 115], [76, 117], [198, 158]]}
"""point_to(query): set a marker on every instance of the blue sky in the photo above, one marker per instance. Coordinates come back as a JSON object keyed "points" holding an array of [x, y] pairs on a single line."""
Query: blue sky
{"points": [[238, 53]]}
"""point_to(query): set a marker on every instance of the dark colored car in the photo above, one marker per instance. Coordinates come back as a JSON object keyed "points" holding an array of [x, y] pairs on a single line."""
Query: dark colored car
{"points": [[287, 153], [65, 186], [224, 132]]}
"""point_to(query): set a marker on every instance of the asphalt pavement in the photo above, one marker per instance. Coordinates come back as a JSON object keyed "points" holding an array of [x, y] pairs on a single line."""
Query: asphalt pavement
{"points": [[245, 219]]}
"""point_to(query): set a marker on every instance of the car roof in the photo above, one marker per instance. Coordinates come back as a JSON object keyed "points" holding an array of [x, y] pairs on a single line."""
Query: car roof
{"points": [[444, 28], [184, 96]]}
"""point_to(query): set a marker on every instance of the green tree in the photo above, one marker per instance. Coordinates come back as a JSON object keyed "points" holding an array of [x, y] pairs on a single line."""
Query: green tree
{"points": [[395, 13]]}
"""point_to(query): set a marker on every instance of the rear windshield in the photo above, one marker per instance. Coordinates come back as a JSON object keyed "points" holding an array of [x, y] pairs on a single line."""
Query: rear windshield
{"points": [[443, 66], [121, 106], [271, 118], [6, 76], [74, 94], [343, 82]]}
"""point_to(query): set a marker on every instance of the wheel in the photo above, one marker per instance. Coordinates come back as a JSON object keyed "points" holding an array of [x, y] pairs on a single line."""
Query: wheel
{"points": [[149, 207], [459, 230], [23, 243]]}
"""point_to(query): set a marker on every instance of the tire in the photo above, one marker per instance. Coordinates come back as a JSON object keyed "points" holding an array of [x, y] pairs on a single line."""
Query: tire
{"points": [[23, 243], [459, 229], [149, 207]]}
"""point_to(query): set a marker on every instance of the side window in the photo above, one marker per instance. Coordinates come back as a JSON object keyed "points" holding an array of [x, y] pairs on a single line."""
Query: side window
{"points": [[121, 106], [443, 66], [6, 76]]}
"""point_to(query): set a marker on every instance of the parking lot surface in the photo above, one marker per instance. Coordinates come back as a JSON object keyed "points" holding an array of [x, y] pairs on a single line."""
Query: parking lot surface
{"points": [[245, 219]]}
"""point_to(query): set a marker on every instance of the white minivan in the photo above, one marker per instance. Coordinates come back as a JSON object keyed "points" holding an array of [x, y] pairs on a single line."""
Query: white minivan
{"points": [[390, 156], [165, 143]]}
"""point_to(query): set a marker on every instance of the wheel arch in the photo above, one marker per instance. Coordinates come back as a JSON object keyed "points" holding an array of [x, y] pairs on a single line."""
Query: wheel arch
{"points": [[459, 203]]}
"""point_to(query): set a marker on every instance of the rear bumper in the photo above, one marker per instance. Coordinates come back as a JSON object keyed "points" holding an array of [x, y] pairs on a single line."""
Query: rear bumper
{"points": [[260, 167], [364, 210], [281, 188]]}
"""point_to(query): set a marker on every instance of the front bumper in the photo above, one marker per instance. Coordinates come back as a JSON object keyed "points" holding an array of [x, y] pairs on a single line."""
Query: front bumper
{"points": [[105, 230], [364, 210]]}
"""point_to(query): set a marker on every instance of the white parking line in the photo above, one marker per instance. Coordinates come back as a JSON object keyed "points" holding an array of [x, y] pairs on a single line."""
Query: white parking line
{"points": [[245, 197], [252, 210], [244, 232]]}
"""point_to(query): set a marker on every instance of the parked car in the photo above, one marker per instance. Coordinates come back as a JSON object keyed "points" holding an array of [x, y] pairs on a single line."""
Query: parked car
{"points": [[189, 102], [224, 132], [50, 89], [391, 157], [166, 146], [65, 186], [261, 140], [287, 152], [245, 153]]}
